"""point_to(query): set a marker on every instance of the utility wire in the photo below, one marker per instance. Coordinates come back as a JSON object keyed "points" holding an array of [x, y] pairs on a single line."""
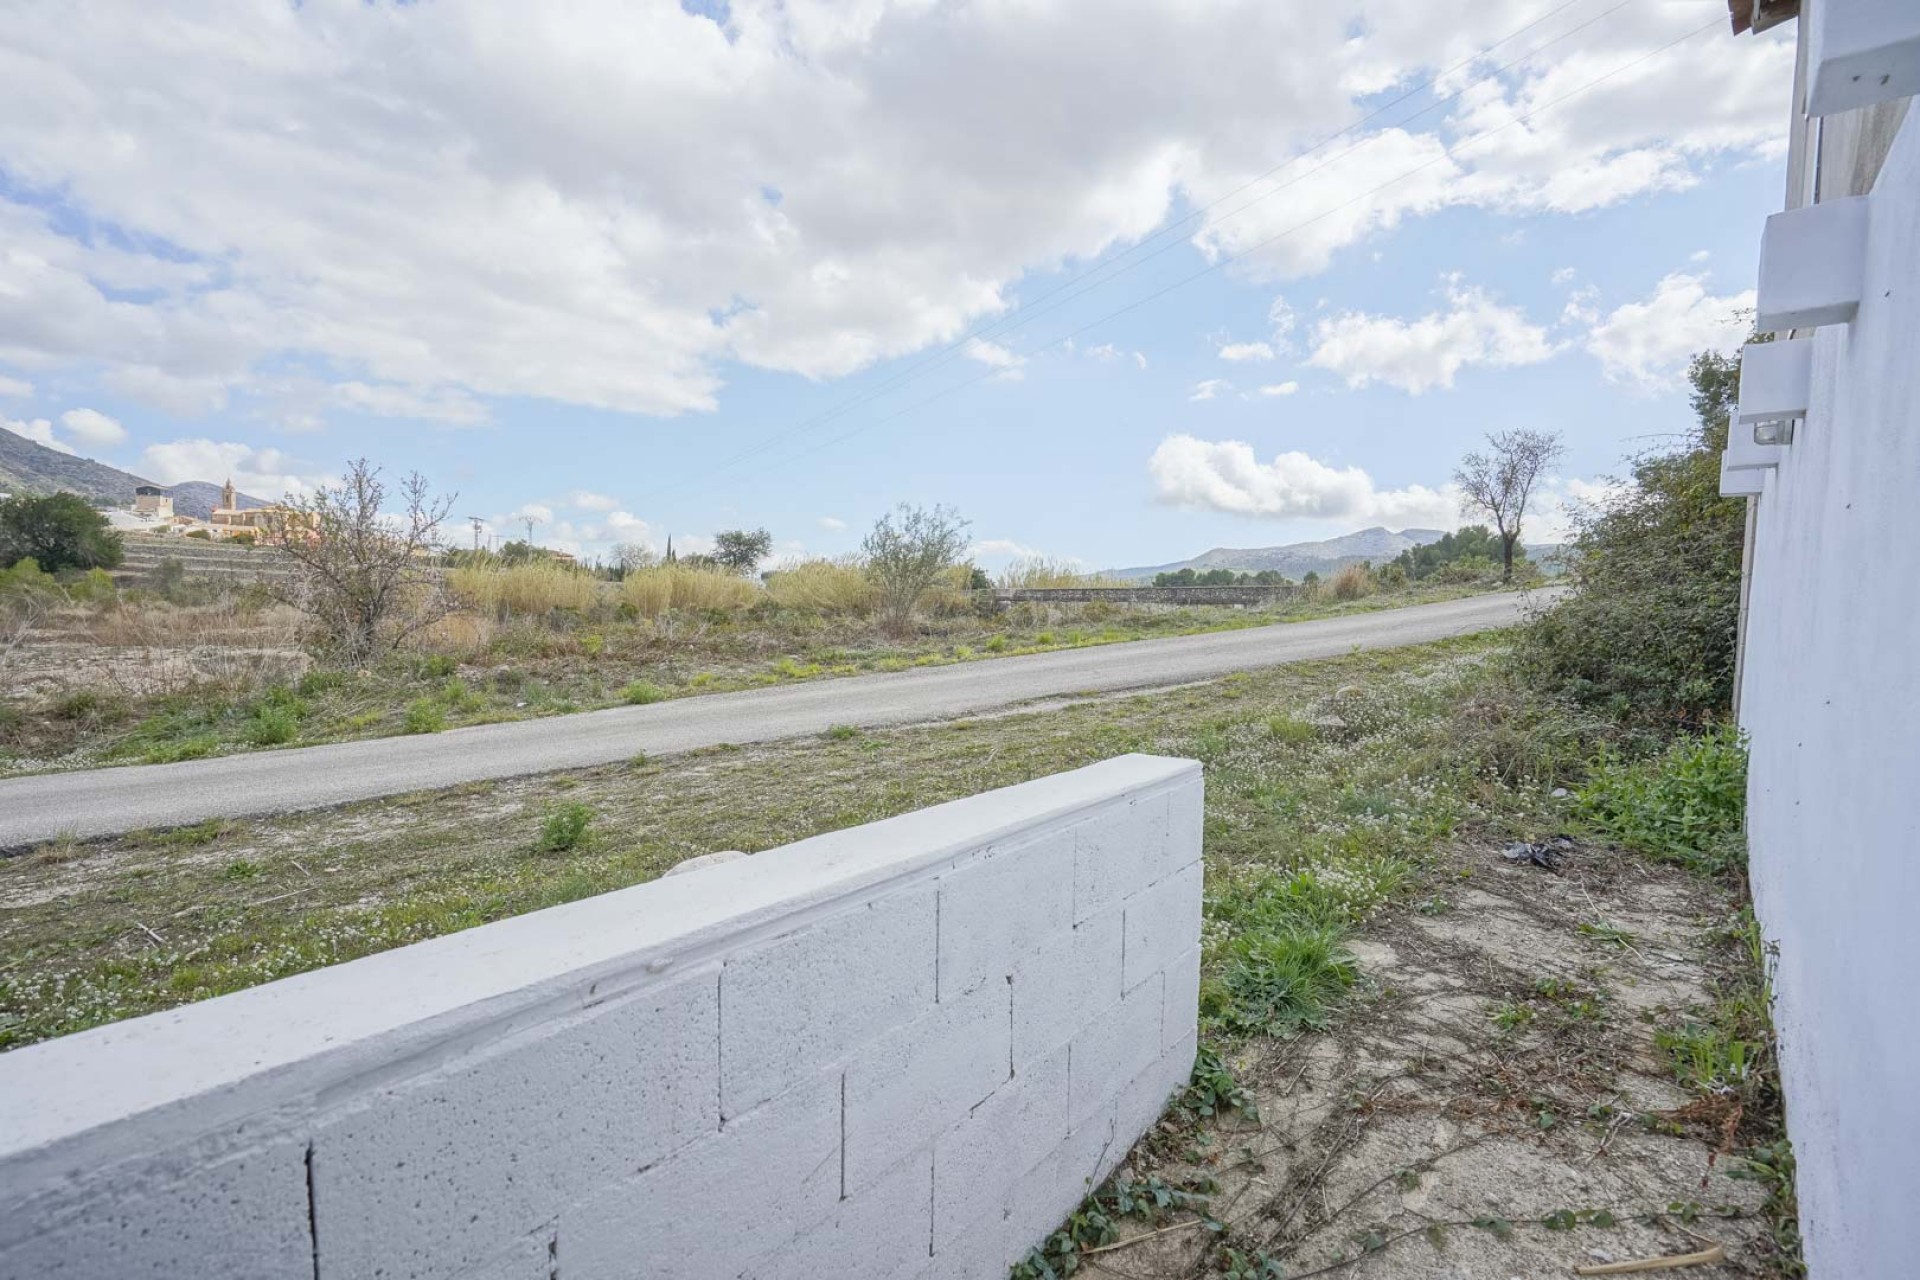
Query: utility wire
{"points": [[1445, 154], [1033, 310]]}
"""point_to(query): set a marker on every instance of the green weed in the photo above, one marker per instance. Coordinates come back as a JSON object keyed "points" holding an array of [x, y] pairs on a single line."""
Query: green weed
{"points": [[565, 828]]}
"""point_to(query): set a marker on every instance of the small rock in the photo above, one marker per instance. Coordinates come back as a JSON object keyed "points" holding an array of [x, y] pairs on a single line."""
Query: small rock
{"points": [[1560, 793], [1600, 1255]]}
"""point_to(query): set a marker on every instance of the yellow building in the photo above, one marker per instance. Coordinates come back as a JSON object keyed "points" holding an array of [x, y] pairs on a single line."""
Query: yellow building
{"points": [[153, 502]]}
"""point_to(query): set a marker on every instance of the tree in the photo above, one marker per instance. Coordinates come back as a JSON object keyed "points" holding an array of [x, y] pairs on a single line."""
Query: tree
{"points": [[1476, 541], [907, 551], [1648, 632], [56, 532], [739, 550], [1501, 481], [360, 575]]}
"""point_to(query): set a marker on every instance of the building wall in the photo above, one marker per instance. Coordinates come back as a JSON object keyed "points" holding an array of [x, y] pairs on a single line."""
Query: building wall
{"points": [[904, 1049], [1831, 697]]}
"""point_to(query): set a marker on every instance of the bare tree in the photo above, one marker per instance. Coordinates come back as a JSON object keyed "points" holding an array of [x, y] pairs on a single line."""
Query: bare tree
{"points": [[362, 576], [906, 553], [1500, 481]]}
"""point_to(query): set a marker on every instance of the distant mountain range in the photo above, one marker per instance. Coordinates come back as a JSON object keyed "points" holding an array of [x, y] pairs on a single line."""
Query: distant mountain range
{"points": [[1296, 559], [27, 467]]}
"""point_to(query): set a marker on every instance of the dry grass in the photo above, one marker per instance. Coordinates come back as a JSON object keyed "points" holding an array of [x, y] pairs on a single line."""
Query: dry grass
{"points": [[833, 587], [1352, 583], [533, 588], [1041, 571], [653, 592]]}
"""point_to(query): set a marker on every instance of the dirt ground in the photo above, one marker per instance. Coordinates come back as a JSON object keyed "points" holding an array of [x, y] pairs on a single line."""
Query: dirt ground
{"points": [[1436, 1132]]}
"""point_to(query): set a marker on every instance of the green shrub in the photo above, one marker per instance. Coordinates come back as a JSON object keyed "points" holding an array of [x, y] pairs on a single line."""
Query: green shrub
{"points": [[642, 692], [565, 827], [57, 532], [272, 727], [1648, 632], [1684, 805], [1278, 983], [424, 715]]}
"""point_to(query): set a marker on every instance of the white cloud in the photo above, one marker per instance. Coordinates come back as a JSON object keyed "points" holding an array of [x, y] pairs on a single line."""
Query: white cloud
{"points": [[1649, 343], [604, 205], [1286, 388], [15, 388], [1226, 475], [39, 430], [450, 406], [1419, 355], [996, 356], [538, 512], [1699, 255], [832, 524], [1140, 358], [1209, 388], [264, 473], [587, 500], [1002, 550], [93, 429], [1246, 351], [1564, 275]]}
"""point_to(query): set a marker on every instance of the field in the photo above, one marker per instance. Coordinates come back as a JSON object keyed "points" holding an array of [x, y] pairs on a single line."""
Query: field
{"points": [[205, 668]]}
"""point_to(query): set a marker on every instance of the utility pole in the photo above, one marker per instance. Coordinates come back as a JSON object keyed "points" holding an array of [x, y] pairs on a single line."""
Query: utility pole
{"points": [[478, 526], [530, 521]]}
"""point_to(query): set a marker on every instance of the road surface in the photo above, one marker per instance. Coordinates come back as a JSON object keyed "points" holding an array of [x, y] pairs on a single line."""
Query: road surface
{"points": [[106, 801]]}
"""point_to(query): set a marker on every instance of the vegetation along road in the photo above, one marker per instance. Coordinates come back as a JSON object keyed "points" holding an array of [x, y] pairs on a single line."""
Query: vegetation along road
{"points": [[107, 801]]}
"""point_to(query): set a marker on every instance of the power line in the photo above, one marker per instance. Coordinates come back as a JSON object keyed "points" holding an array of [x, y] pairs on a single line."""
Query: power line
{"points": [[1033, 310], [1445, 154]]}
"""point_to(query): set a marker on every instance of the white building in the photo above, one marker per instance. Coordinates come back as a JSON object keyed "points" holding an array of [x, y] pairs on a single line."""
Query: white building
{"points": [[1827, 447]]}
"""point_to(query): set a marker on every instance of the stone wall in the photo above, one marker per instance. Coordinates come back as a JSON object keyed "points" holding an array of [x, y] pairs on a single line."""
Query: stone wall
{"points": [[902, 1049]]}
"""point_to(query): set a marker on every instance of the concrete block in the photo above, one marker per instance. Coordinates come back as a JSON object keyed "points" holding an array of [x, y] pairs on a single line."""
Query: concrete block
{"points": [[1114, 1048], [1776, 380], [976, 1161], [915, 1082], [1003, 905], [1118, 851], [1180, 1016], [880, 1231], [1186, 821], [1742, 482], [436, 1173], [715, 1207], [237, 1216], [1162, 924], [1139, 1106], [1860, 52], [1060, 988], [1812, 266], [799, 1003]]}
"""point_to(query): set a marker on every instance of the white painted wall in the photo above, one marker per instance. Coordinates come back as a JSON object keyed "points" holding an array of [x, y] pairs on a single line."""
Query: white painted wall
{"points": [[1831, 697], [904, 1049]]}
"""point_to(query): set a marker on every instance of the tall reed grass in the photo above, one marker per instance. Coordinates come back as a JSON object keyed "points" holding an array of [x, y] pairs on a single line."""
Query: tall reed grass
{"points": [[654, 591], [823, 586], [535, 587], [1044, 571]]}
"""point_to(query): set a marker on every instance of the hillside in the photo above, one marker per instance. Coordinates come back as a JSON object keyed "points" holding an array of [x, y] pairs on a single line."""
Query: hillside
{"points": [[1296, 559], [27, 467]]}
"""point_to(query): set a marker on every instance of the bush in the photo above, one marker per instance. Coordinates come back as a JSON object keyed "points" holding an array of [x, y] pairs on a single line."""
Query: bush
{"points": [[1648, 633], [1684, 805], [642, 692], [1352, 582], [653, 592], [56, 532], [529, 588], [823, 586], [565, 828], [424, 715], [272, 727]]}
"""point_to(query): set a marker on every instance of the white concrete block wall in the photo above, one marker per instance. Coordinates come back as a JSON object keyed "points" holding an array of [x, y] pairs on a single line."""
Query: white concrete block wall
{"points": [[907, 1049], [1829, 697]]}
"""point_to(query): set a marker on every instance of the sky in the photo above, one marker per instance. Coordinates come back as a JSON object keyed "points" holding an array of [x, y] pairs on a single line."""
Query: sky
{"points": [[1120, 283]]}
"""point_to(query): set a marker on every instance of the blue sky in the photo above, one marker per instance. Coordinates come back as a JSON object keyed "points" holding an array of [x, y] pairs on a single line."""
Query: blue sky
{"points": [[577, 265]]}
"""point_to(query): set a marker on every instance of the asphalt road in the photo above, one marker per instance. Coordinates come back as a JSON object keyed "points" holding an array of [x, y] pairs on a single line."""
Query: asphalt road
{"points": [[106, 801]]}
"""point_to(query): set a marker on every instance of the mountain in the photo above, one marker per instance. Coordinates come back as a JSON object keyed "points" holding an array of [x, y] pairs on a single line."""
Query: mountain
{"points": [[27, 467], [1296, 559]]}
